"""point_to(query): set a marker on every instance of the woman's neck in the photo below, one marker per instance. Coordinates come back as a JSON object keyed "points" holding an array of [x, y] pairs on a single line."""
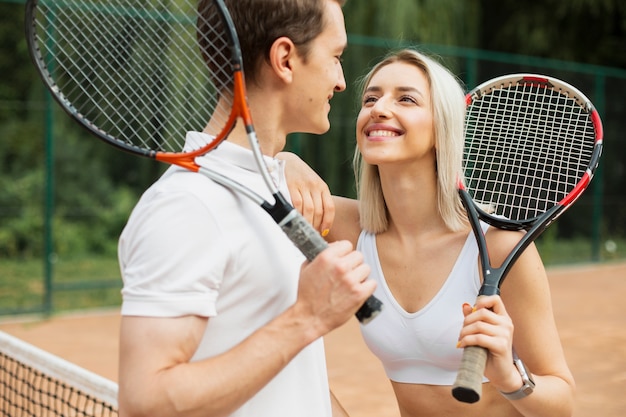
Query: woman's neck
{"points": [[411, 199]]}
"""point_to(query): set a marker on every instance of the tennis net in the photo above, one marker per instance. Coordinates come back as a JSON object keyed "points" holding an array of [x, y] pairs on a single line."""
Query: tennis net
{"points": [[38, 384]]}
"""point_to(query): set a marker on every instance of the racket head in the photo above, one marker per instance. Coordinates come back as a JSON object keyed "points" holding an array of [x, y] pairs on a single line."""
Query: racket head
{"points": [[532, 145], [138, 74]]}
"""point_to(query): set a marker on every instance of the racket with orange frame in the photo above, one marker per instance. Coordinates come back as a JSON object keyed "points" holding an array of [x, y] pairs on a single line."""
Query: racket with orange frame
{"points": [[138, 73]]}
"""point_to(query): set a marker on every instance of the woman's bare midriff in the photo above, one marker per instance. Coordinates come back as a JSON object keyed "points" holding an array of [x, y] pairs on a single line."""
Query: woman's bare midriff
{"points": [[437, 401]]}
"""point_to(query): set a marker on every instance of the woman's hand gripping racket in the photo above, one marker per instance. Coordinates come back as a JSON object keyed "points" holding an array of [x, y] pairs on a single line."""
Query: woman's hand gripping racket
{"points": [[531, 148], [136, 74]]}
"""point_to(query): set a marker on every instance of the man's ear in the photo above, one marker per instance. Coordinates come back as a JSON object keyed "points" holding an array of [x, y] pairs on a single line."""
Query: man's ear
{"points": [[281, 58]]}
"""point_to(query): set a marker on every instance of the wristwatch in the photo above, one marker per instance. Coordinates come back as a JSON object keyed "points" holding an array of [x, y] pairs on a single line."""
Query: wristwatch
{"points": [[528, 385]]}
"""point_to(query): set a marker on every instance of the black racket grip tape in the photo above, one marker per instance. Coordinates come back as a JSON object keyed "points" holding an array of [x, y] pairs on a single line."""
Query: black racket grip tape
{"points": [[311, 243], [469, 381], [370, 309]]}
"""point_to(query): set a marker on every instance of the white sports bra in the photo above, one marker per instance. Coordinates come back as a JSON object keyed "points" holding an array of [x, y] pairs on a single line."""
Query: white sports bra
{"points": [[420, 347]]}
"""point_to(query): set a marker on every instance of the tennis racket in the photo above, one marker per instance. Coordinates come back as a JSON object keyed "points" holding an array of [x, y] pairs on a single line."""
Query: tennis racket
{"points": [[532, 144], [137, 73]]}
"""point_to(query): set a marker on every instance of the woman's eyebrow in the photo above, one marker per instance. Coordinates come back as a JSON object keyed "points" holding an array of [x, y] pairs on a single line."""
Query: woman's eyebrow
{"points": [[402, 89]]}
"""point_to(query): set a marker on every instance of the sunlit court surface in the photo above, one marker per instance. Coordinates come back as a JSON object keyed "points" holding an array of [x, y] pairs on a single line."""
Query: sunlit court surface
{"points": [[588, 305]]}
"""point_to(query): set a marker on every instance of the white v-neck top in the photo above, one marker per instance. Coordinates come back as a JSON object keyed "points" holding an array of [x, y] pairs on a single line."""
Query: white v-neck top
{"points": [[420, 347]]}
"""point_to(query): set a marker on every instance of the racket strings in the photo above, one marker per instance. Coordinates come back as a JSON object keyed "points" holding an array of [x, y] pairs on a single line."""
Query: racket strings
{"points": [[137, 81], [527, 147], [136, 74]]}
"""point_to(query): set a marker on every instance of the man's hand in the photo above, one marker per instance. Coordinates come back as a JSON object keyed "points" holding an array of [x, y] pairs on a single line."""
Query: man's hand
{"points": [[333, 287]]}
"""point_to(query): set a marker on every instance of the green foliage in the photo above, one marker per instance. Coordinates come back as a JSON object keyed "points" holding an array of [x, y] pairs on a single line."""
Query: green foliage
{"points": [[444, 22], [81, 233], [89, 209], [21, 182], [591, 31], [15, 67]]}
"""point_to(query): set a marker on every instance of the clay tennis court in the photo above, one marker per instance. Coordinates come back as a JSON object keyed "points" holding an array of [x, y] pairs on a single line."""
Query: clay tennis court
{"points": [[590, 309]]}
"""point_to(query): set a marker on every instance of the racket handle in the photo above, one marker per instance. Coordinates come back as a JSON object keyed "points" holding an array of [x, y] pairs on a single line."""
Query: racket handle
{"points": [[303, 235], [370, 309], [469, 381], [311, 243]]}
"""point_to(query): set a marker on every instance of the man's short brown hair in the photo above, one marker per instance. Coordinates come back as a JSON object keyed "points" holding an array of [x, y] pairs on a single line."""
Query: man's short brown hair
{"points": [[260, 22]]}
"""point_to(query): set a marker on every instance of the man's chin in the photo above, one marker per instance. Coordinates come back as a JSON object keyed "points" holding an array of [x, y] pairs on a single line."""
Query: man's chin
{"points": [[316, 127], [322, 128]]}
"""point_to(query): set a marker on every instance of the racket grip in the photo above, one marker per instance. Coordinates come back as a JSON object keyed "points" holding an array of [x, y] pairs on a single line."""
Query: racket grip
{"points": [[369, 310], [469, 380], [303, 235], [311, 243]]}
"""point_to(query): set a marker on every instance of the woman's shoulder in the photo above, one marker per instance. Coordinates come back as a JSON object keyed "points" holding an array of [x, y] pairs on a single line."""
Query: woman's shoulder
{"points": [[501, 242], [528, 271]]}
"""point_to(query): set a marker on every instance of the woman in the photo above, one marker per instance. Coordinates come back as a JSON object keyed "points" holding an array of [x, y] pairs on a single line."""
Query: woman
{"points": [[414, 234]]}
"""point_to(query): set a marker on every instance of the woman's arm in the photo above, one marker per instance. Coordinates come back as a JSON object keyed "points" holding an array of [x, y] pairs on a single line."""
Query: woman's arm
{"points": [[310, 195], [336, 218], [522, 318]]}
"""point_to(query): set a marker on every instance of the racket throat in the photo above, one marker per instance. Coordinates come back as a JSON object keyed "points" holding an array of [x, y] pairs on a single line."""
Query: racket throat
{"points": [[280, 209], [491, 285], [489, 290]]}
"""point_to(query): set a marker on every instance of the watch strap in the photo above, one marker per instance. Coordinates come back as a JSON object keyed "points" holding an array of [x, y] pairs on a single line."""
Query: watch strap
{"points": [[524, 391], [528, 385]]}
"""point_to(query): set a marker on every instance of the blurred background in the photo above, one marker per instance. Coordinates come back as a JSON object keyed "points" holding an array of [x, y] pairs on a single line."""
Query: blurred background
{"points": [[65, 196]]}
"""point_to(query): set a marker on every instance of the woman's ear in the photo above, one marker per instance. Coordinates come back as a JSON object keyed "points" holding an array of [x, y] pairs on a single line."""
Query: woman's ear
{"points": [[281, 58]]}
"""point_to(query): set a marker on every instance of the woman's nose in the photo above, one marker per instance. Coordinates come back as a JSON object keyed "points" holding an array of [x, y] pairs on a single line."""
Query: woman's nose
{"points": [[380, 109]]}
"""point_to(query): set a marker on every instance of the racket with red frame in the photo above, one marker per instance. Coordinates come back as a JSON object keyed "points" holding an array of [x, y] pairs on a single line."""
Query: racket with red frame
{"points": [[136, 74], [532, 145]]}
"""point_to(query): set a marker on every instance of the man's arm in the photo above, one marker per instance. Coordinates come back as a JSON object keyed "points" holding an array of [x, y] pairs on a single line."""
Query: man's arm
{"points": [[157, 379]]}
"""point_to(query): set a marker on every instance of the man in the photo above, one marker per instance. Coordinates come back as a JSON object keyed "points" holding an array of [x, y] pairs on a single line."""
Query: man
{"points": [[220, 316]]}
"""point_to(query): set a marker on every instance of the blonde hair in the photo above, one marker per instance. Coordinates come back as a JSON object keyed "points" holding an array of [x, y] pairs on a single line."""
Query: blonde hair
{"points": [[448, 102]]}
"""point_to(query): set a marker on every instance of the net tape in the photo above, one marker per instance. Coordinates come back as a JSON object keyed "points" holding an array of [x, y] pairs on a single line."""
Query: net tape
{"points": [[34, 382]]}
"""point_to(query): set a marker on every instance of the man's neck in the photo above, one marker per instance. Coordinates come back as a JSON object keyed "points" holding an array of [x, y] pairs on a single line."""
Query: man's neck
{"points": [[239, 136]]}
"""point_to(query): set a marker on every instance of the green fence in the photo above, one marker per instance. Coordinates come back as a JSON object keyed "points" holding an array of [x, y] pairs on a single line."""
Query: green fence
{"points": [[594, 230]]}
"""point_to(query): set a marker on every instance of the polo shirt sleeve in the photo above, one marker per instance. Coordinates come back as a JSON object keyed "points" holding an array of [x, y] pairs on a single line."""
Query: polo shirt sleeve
{"points": [[172, 257]]}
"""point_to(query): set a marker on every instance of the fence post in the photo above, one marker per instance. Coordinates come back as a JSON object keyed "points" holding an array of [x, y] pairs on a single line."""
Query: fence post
{"points": [[48, 257]]}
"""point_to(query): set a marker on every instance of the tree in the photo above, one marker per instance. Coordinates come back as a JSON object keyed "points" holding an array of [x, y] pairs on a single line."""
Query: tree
{"points": [[589, 31]]}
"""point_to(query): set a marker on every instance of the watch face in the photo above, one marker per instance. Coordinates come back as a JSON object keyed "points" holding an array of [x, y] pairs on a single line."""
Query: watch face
{"points": [[529, 384]]}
